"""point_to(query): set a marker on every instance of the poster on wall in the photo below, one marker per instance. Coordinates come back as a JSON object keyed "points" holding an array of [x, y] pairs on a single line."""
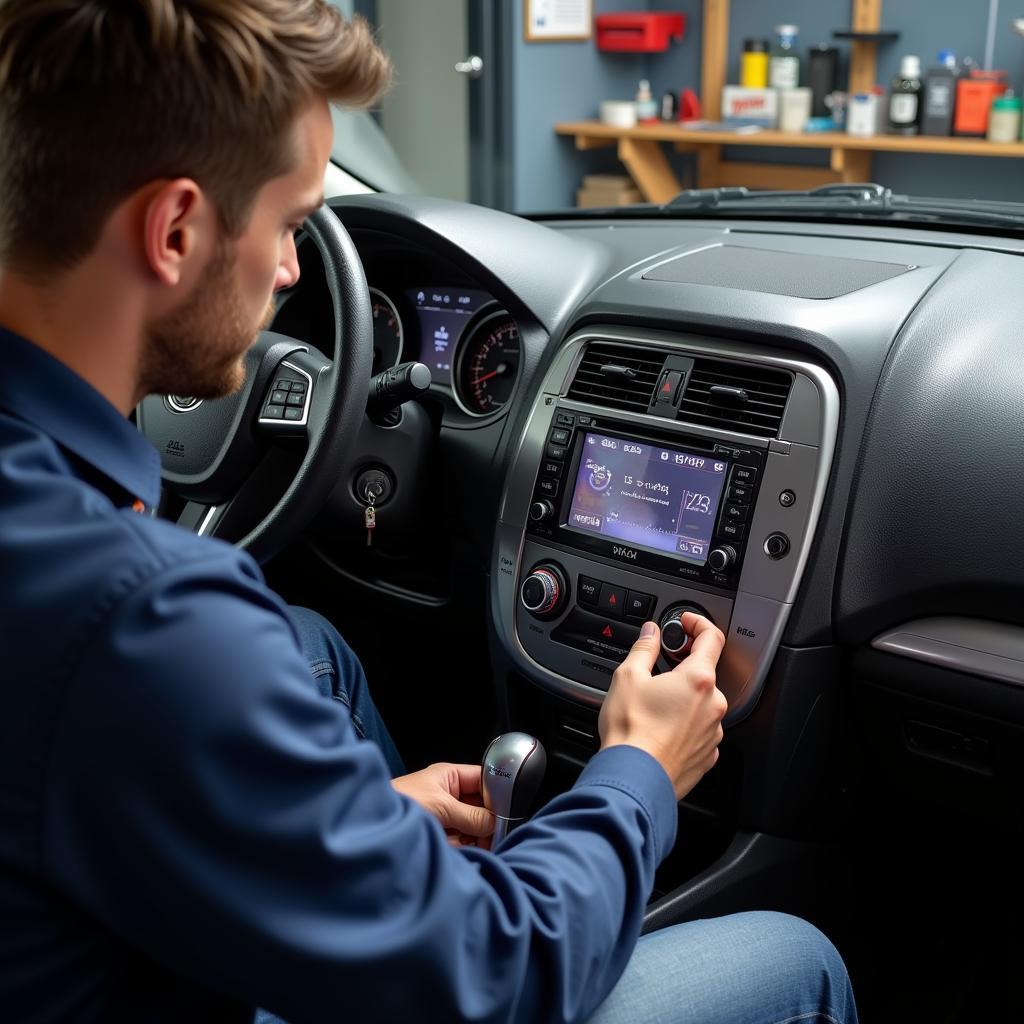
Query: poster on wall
{"points": [[550, 21]]}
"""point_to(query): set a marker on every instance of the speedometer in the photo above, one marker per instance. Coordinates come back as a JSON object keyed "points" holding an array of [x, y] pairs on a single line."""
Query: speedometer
{"points": [[488, 365]]}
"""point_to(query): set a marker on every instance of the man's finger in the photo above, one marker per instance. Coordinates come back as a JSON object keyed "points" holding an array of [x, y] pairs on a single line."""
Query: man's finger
{"points": [[469, 779], [708, 640], [470, 821], [643, 655]]}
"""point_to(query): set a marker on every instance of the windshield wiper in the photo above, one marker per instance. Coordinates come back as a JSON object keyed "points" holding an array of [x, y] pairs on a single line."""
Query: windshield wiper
{"points": [[867, 199]]}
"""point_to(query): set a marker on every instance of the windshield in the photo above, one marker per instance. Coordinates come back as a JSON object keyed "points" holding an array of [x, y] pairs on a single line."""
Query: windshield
{"points": [[625, 112]]}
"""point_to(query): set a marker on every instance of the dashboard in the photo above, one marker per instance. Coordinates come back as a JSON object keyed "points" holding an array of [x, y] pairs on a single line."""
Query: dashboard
{"points": [[804, 430]]}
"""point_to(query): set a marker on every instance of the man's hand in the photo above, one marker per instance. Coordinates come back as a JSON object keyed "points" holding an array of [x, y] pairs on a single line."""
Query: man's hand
{"points": [[676, 716], [451, 793]]}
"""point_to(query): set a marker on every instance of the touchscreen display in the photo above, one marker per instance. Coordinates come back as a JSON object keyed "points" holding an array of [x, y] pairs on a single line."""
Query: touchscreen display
{"points": [[443, 314], [660, 499]]}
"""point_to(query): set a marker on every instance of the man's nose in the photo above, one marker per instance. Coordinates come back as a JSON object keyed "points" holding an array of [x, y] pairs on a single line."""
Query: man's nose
{"points": [[288, 270]]}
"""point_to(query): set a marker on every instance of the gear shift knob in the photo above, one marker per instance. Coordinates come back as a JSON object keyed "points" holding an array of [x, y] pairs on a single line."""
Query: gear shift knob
{"points": [[510, 776]]}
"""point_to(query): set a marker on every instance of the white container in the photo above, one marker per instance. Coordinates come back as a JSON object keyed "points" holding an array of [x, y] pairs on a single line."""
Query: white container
{"points": [[618, 113], [750, 106], [794, 109], [862, 114]]}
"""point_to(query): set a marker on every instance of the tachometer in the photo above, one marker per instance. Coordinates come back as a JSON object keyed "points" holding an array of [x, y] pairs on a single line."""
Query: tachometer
{"points": [[387, 332], [488, 365]]}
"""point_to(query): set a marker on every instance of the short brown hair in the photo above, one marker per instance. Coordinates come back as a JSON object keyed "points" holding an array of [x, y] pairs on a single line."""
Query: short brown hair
{"points": [[99, 97]]}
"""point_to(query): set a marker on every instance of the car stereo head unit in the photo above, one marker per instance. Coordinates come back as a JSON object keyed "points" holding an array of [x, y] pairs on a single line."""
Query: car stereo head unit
{"points": [[674, 504]]}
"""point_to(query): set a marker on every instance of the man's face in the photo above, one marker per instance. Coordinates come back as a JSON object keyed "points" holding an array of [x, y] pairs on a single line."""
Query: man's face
{"points": [[198, 348]]}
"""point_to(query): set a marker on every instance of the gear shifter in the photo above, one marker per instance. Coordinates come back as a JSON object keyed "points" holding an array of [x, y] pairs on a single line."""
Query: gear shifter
{"points": [[510, 776]]}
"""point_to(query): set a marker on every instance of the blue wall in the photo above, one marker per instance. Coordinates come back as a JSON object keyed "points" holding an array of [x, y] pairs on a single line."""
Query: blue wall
{"points": [[565, 81]]}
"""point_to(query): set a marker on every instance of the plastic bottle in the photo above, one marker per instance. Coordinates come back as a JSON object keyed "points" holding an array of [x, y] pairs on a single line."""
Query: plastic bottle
{"points": [[940, 95], [905, 98], [784, 62], [1004, 120], [754, 64], [646, 105]]}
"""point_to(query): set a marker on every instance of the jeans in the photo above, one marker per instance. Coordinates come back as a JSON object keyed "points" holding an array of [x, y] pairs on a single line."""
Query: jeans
{"points": [[339, 676], [754, 968]]}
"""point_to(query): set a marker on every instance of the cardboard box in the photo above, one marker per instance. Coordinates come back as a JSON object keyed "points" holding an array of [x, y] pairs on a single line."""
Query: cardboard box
{"points": [[608, 182], [741, 106], [591, 197]]}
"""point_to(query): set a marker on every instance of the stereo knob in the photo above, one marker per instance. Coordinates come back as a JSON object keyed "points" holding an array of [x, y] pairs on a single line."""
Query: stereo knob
{"points": [[541, 510], [721, 558], [675, 641], [544, 591]]}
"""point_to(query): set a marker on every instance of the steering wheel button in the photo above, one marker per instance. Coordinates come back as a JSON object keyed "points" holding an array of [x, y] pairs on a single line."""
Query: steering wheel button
{"points": [[283, 385], [291, 413], [296, 399], [279, 398], [273, 412]]}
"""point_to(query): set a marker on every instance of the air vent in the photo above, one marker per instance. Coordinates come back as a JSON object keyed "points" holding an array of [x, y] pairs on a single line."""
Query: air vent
{"points": [[617, 376], [736, 396]]}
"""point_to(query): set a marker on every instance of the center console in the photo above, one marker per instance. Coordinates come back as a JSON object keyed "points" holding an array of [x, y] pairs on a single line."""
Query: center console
{"points": [[659, 474]]}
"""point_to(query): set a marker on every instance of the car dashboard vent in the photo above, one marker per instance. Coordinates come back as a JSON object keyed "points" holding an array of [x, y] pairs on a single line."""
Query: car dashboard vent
{"points": [[736, 396], [617, 377]]}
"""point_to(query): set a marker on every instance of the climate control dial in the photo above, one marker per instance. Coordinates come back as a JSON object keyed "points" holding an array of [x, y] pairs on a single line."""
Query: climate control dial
{"points": [[544, 592], [675, 641]]}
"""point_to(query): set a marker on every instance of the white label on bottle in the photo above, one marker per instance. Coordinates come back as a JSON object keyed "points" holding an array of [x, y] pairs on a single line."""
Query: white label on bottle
{"points": [[784, 72], [903, 107]]}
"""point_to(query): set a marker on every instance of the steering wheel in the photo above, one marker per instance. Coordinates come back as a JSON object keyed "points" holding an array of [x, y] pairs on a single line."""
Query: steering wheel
{"points": [[210, 450]]}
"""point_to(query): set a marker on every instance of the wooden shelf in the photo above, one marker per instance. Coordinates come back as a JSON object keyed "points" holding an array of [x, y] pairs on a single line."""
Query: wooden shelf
{"points": [[793, 140], [640, 150]]}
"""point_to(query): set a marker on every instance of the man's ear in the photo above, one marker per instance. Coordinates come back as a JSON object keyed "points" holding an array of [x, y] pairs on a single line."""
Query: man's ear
{"points": [[177, 221]]}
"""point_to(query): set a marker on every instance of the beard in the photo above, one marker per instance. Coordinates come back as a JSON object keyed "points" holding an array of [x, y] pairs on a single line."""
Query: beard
{"points": [[199, 348]]}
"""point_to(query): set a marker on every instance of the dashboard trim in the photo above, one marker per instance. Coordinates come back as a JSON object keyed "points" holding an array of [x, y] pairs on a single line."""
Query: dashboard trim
{"points": [[766, 597]]}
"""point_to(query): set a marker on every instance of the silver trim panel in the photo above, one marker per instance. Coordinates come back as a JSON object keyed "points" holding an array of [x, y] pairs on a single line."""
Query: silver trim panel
{"points": [[992, 650], [800, 460]]}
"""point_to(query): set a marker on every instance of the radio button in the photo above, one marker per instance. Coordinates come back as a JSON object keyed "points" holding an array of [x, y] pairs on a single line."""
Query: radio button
{"points": [[741, 493], [639, 606], [734, 531], [563, 419], [552, 468], [548, 487], [585, 421], [743, 474], [737, 513], [553, 451], [588, 591], [559, 436], [612, 600]]}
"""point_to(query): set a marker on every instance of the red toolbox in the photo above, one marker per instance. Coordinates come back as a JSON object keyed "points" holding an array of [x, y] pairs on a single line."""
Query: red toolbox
{"points": [[639, 32]]}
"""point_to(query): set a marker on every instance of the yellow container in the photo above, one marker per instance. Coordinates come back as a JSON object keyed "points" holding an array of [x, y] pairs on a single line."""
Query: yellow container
{"points": [[754, 64]]}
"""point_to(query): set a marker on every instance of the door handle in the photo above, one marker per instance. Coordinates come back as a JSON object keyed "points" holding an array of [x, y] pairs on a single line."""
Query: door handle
{"points": [[472, 66]]}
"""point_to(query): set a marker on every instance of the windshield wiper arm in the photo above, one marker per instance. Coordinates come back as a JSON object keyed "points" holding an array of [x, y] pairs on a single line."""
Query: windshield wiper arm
{"points": [[867, 195], [841, 197]]}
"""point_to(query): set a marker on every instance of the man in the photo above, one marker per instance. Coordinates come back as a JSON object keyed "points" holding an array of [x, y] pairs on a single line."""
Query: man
{"points": [[189, 830]]}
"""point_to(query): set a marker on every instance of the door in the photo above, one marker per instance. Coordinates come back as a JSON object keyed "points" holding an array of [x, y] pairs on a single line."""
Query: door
{"points": [[443, 118]]}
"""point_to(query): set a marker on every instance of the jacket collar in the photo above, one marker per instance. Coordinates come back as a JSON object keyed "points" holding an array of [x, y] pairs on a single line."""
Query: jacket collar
{"points": [[40, 389]]}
